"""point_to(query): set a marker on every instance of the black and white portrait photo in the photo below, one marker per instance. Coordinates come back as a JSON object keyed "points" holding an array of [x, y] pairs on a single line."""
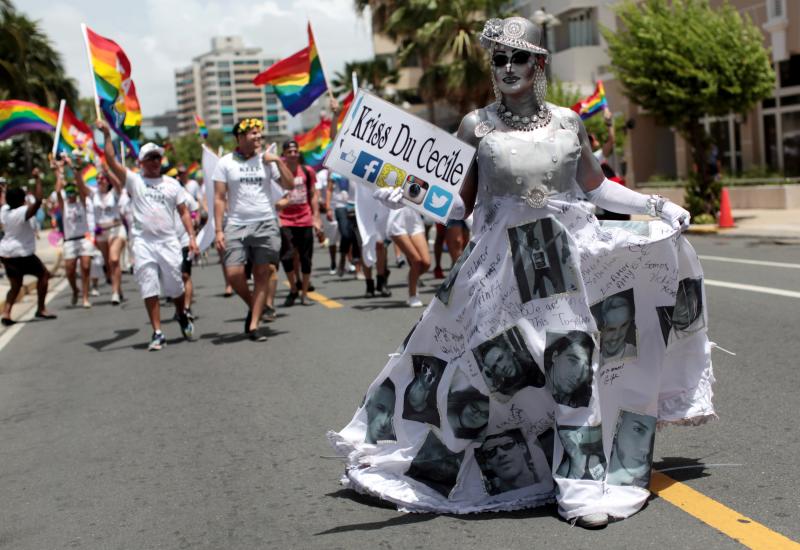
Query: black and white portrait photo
{"points": [[436, 466], [686, 317], [583, 452], [632, 450], [542, 260], [467, 408], [443, 293], [616, 320], [506, 363], [506, 463], [380, 413], [419, 403], [568, 367]]}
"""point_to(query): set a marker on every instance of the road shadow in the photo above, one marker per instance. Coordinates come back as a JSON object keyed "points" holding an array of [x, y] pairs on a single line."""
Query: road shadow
{"points": [[119, 335], [681, 468], [545, 511], [372, 306], [234, 337]]}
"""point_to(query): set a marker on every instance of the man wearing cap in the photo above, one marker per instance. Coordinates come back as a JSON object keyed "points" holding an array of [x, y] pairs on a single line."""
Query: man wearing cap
{"points": [[154, 199], [299, 219], [242, 189]]}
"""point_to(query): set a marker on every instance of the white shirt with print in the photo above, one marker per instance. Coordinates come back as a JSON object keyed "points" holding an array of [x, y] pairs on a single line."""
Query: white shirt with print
{"points": [[153, 203], [248, 186]]}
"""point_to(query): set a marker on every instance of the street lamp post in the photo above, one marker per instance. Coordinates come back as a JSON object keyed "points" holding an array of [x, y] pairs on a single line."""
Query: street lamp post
{"points": [[545, 20]]}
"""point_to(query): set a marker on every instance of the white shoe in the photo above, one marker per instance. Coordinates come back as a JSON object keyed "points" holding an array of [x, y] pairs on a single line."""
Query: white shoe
{"points": [[115, 299], [351, 268], [414, 301], [593, 521], [87, 304], [94, 292]]}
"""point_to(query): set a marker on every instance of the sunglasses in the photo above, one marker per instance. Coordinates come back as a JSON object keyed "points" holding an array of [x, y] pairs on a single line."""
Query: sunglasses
{"points": [[491, 453], [152, 157], [517, 58]]}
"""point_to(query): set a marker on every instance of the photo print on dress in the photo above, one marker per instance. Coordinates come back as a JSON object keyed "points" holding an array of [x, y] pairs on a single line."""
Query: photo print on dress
{"points": [[568, 367], [686, 316], [583, 452], [467, 408], [506, 462], [506, 363], [419, 403], [616, 319], [436, 466], [542, 260], [446, 288], [380, 414], [632, 450]]}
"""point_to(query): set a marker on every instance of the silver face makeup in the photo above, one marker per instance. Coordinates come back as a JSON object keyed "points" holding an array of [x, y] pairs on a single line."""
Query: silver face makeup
{"points": [[515, 77]]}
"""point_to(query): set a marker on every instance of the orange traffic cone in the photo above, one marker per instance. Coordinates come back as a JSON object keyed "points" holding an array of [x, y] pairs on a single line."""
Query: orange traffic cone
{"points": [[725, 214]]}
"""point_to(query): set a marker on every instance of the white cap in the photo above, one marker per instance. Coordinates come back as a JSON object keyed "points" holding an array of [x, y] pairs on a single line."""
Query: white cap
{"points": [[148, 148]]}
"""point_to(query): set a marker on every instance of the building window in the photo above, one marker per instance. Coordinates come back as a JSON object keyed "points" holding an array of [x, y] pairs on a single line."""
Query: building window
{"points": [[223, 64], [776, 9], [581, 28], [771, 144], [725, 135], [789, 72], [790, 125]]}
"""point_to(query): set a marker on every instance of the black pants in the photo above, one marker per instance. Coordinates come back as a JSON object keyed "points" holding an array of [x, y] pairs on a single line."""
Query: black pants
{"points": [[346, 219], [300, 239]]}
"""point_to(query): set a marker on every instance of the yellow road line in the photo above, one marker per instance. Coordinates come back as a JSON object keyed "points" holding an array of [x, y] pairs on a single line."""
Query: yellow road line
{"points": [[324, 300], [730, 522]]}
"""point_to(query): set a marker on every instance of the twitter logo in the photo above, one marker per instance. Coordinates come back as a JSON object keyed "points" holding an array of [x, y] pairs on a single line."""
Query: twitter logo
{"points": [[438, 201]]}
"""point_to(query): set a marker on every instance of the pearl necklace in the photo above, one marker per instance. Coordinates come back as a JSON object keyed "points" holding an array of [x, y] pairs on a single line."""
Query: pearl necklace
{"points": [[524, 123]]}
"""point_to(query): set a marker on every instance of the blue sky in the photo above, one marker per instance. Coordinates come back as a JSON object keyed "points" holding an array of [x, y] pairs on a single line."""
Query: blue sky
{"points": [[161, 35]]}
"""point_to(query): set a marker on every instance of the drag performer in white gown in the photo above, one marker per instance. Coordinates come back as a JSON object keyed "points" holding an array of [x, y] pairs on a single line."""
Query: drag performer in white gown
{"points": [[503, 395]]}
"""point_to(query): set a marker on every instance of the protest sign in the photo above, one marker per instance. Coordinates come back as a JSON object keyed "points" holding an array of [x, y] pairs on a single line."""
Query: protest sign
{"points": [[382, 145]]}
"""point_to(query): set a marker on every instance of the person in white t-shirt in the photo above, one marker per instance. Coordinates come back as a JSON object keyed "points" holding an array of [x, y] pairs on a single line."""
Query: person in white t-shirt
{"points": [[77, 210], [242, 189], [18, 247], [186, 264], [154, 199], [111, 234]]}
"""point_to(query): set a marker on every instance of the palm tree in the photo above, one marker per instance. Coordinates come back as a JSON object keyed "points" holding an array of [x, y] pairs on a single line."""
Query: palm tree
{"points": [[374, 75]]}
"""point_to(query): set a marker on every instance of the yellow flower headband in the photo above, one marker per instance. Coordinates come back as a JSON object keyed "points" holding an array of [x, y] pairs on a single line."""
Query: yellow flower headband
{"points": [[249, 124]]}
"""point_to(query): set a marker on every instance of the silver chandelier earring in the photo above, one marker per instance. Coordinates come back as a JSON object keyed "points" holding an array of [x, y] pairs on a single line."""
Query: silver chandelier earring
{"points": [[498, 96], [539, 85]]}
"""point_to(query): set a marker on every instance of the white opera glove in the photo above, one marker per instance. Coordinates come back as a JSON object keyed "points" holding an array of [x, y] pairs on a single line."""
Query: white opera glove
{"points": [[618, 198], [391, 198], [458, 211]]}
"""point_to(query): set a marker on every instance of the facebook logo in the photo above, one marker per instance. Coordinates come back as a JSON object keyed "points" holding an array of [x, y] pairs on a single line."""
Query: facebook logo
{"points": [[438, 201], [367, 167]]}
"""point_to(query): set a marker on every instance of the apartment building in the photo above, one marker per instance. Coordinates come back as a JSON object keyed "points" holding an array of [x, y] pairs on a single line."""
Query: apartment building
{"points": [[767, 139], [218, 86]]}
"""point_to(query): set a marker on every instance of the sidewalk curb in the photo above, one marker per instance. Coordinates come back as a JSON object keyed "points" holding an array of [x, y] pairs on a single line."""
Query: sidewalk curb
{"points": [[31, 287]]}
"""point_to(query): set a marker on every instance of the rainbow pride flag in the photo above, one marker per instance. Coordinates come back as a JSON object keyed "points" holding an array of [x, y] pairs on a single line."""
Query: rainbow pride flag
{"points": [[346, 102], [17, 117], [593, 104], [89, 175], [115, 89], [297, 80], [314, 144], [201, 126], [194, 171]]}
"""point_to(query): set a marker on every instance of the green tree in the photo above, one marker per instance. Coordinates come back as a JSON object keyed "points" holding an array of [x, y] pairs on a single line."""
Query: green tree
{"points": [[681, 60], [374, 75], [562, 95]]}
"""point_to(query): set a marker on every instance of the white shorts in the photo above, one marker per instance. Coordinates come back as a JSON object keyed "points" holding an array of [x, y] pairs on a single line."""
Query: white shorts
{"points": [[116, 232], [404, 221], [78, 247], [158, 268]]}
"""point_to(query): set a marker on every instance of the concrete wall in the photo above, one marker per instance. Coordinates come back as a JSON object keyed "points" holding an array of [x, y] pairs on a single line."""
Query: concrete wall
{"points": [[779, 197]]}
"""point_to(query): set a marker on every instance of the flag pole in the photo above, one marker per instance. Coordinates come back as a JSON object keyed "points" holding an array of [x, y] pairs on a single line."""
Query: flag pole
{"points": [[61, 108], [91, 71], [321, 64]]}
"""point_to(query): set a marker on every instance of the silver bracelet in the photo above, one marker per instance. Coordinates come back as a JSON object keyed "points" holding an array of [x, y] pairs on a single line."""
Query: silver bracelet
{"points": [[655, 204]]}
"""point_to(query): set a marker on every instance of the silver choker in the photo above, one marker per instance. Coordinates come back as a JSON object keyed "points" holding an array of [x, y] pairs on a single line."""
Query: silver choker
{"points": [[524, 123]]}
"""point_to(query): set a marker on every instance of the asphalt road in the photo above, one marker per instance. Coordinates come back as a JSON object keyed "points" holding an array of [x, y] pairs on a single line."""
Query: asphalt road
{"points": [[221, 443]]}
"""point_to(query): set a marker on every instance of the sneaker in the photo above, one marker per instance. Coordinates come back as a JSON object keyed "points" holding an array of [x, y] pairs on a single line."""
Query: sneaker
{"points": [[189, 314], [438, 273], [290, 299], [351, 268], [87, 304], [332, 271], [94, 292], [401, 261], [257, 336], [360, 276], [593, 521], [157, 342], [340, 271], [115, 301], [269, 314], [187, 327], [414, 301]]}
